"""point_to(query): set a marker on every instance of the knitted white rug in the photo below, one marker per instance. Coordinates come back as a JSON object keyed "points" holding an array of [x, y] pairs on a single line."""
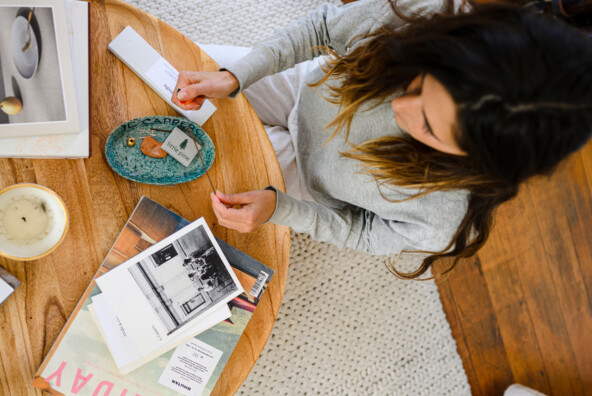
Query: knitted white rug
{"points": [[346, 325]]}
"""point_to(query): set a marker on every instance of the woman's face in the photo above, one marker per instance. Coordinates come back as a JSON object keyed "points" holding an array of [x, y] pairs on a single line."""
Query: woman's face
{"points": [[427, 112]]}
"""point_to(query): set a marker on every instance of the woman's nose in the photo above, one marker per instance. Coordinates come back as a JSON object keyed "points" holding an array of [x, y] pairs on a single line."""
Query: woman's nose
{"points": [[406, 102]]}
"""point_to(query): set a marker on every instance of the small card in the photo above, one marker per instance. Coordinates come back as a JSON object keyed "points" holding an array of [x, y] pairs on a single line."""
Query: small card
{"points": [[190, 367], [180, 146]]}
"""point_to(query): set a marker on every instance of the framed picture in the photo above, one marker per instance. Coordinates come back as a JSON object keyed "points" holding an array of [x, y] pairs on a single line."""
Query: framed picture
{"points": [[164, 254], [37, 83]]}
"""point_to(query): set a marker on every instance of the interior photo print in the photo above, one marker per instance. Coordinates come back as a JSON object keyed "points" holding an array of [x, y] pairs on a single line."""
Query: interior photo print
{"points": [[31, 84], [183, 279]]}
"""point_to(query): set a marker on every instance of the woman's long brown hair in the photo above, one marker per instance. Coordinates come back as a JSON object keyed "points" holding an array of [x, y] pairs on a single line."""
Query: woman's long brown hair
{"points": [[455, 52]]}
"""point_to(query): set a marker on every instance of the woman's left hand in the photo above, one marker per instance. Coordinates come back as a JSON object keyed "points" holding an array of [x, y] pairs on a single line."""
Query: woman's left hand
{"points": [[246, 211]]}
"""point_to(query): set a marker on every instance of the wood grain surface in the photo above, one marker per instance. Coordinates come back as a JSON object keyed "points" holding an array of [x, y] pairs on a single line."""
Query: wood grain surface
{"points": [[521, 311], [99, 201]]}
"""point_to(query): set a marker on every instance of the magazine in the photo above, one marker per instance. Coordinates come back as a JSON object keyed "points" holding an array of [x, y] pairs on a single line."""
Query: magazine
{"points": [[80, 361]]}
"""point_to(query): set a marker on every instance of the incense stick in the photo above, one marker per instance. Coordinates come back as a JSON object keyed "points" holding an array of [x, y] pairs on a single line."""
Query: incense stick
{"points": [[203, 163]]}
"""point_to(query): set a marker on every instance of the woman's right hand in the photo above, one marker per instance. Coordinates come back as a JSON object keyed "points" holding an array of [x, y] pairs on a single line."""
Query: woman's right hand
{"points": [[193, 88]]}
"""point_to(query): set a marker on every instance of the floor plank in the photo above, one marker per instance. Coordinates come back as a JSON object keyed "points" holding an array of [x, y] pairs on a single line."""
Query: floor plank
{"points": [[447, 298], [516, 326], [473, 313]]}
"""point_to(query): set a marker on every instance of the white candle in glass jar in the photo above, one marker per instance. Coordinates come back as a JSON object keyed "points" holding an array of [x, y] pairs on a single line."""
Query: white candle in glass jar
{"points": [[33, 221]]}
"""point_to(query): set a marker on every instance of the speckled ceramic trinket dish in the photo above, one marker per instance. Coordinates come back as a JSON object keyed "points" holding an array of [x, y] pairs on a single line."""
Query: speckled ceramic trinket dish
{"points": [[128, 161]]}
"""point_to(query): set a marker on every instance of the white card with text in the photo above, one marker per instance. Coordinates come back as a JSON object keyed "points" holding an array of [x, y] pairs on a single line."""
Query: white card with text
{"points": [[180, 146], [190, 367]]}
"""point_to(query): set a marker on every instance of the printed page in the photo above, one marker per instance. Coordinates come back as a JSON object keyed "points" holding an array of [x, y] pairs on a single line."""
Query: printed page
{"points": [[126, 356], [170, 285], [42, 74]]}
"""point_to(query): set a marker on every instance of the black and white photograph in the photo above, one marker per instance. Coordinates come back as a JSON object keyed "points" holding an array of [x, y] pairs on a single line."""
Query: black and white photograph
{"points": [[37, 91], [182, 282], [183, 278]]}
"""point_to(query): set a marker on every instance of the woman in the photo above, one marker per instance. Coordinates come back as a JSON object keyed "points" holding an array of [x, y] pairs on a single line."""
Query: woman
{"points": [[414, 130]]}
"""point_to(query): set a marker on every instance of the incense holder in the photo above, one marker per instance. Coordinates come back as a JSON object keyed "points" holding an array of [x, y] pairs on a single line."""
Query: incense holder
{"points": [[130, 163]]}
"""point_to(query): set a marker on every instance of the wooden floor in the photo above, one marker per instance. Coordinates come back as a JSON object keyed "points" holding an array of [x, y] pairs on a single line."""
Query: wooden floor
{"points": [[521, 310]]}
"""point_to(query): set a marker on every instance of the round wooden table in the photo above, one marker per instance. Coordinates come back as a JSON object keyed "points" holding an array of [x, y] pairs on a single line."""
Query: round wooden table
{"points": [[99, 201]]}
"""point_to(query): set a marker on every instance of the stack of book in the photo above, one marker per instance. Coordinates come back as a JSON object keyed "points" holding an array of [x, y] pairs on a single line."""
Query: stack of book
{"points": [[44, 79], [161, 316]]}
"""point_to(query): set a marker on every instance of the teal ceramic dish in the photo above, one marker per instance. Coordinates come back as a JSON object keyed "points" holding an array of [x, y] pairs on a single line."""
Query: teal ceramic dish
{"points": [[131, 163]]}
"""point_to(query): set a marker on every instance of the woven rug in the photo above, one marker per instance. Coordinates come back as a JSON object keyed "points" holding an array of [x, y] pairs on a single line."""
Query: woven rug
{"points": [[346, 325]]}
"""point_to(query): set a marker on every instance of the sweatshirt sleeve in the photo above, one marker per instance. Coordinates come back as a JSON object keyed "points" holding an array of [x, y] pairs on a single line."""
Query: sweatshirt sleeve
{"points": [[336, 27], [294, 43], [425, 227]]}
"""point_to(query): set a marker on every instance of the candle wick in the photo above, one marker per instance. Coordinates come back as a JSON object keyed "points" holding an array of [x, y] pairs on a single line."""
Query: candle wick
{"points": [[24, 219]]}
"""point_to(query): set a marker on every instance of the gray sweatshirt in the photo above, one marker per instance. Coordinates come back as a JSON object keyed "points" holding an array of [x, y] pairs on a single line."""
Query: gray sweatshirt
{"points": [[349, 208]]}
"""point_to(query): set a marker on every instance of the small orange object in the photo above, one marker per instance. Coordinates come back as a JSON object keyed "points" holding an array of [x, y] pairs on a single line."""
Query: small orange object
{"points": [[152, 148], [182, 101]]}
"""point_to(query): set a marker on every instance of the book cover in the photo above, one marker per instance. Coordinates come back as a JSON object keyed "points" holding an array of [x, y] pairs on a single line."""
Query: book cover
{"points": [[36, 77], [80, 363], [63, 145]]}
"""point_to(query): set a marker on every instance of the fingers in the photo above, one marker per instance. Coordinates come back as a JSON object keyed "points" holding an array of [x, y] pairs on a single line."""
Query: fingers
{"points": [[229, 217], [191, 104], [237, 199], [243, 212], [186, 93], [194, 87], [201, 88]]}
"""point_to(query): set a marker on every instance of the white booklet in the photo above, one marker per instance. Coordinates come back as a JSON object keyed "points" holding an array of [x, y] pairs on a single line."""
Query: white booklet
{"points": [[63, 145], [167, 289], [155, 71], [126, 355]]}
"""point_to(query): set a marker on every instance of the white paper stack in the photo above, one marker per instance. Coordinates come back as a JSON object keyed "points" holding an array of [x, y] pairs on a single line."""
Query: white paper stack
{"points": [[164, 296]]}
